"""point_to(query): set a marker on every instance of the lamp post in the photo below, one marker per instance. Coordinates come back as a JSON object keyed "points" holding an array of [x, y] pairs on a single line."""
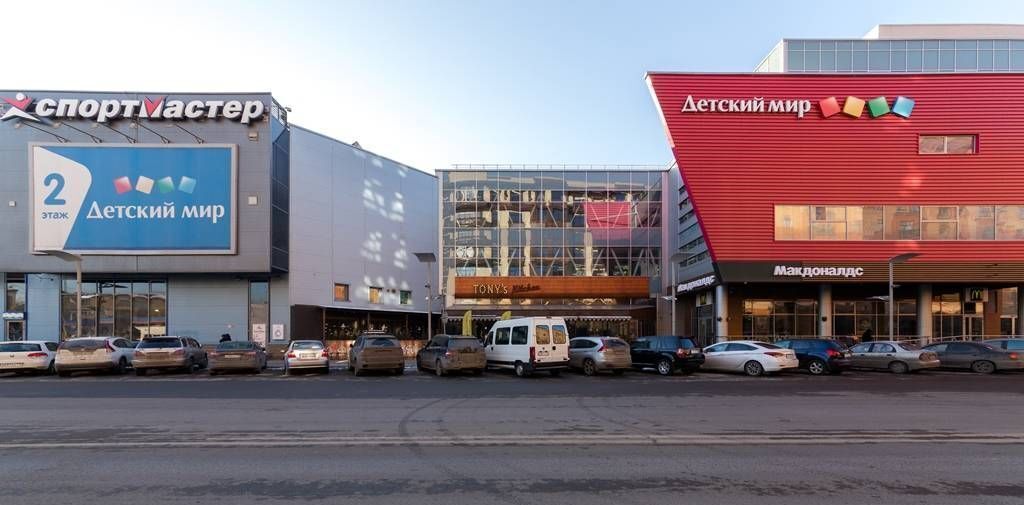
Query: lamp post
{"points": [[428, 258], [902, 258], [77, 260], [674, 260]]}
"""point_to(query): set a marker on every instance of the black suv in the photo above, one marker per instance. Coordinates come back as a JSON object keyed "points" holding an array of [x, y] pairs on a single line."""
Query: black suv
{"points": [[666, 354], [818, 355]]}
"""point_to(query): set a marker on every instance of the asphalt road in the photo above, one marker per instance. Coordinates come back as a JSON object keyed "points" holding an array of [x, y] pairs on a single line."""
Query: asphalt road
{"points": [[935, 438]]}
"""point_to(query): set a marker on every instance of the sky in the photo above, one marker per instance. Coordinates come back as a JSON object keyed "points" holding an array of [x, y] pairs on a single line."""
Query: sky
{"points": [[432, 83]]}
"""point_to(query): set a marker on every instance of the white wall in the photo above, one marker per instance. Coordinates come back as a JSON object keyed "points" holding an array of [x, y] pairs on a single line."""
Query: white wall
{"points": [[356, 219]]}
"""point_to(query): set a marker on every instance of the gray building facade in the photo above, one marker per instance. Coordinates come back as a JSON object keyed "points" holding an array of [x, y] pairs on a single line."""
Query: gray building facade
{"points": [[283, 223]]}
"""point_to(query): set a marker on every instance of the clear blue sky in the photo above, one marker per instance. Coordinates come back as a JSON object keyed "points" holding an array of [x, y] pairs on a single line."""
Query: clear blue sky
{"points": [[430, 83]]}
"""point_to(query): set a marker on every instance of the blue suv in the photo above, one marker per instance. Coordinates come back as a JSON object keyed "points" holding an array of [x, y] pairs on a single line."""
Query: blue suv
{"points": [[818, 355]]}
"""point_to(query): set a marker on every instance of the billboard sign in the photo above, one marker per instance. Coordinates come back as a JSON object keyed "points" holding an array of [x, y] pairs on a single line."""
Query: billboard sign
{"points": [[133, 199]]}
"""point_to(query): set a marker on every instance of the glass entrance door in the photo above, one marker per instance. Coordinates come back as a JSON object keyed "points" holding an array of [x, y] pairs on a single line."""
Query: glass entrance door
{"points": [[974, 326], [15, 330]]}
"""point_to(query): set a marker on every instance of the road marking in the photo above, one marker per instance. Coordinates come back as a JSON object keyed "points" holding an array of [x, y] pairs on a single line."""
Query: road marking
{"points": [[544, 440]]}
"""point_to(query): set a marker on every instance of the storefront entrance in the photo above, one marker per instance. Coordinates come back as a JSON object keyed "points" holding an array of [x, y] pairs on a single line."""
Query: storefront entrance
{"points": [[15, 330]]}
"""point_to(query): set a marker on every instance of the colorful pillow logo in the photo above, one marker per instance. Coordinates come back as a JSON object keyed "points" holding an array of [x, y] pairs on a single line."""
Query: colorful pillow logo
{"points": [[145, 185], [877, 107]]}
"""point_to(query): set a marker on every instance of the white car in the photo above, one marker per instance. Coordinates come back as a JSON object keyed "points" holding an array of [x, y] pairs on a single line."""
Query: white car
{"points": [[27, 356], [750, 357], [94, 353], [307, 354]]}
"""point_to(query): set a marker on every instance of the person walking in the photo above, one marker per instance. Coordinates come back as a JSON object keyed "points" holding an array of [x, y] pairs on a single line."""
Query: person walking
{"points": [[225, 337]]}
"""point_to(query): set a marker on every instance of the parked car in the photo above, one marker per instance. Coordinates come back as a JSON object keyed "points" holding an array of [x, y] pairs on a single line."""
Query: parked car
{"points": [[666, 354], [529, 344], [376, 352], [976, 357], [452, 353], [1007, 344], [240, 355], [27, 356], [897, 357], [750, 357], [818, 356], [305, 355], [111, 354], [168, 353], [591, 355]]}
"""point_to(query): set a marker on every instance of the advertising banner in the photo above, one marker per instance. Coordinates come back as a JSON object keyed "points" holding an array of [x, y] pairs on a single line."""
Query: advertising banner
{"points": [[135, 199]]}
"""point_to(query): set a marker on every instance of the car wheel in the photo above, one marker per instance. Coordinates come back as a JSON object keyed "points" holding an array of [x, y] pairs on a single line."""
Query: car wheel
{"points": [[520, 369], [985, 367], [817, 367], [141, 372], [589, 367], [898, 367], [438, 368], [753, 368], [665, 367]]}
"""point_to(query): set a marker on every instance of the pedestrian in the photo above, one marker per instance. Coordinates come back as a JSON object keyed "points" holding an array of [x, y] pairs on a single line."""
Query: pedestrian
{"points": [[868, 335], [225, 337]]}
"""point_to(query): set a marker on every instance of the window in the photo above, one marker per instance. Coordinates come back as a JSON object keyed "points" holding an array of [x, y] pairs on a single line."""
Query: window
{"points": [[740, 347], [902, 222], [129, 309], [792, 222], [947, 144], [519, 335], [938, 223], [828, 223], [883, 348], [259, 306], [1010, 222], [15, 293], [558, 334], [341, 293], [861, 348], [543, 334], [375, 294], [977, 222], [780, 317], [405, 297]]}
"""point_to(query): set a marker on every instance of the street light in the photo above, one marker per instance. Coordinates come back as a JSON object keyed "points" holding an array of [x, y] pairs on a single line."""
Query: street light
{"points": [[428, 258], [77, 260], [902, 258], [674, 260]]}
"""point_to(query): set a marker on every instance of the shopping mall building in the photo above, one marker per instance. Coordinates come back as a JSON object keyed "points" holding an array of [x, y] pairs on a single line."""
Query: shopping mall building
{"points": [[806, 181], [199, 215]]}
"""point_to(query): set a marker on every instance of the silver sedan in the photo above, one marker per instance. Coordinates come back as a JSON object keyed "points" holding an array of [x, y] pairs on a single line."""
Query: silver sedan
{"points": [[594, 354], [897, 357]]}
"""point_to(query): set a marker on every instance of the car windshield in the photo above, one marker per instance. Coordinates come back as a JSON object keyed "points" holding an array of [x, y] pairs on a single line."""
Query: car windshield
{"points": [[383, 342], [152, 343], [19, 347], [686, 343], [234, 346], [306, 346], [910, 347], [82, 345], [614, 342], [767, 345], [464, 343]]}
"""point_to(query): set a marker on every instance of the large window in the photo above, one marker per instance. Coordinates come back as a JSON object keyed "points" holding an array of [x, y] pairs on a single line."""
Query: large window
{"points": [[899, 222], [131, 309], [780, 318], [552, 222], [853, 317], [947, 315], [947, 144], [341, 293], [375, 294], [900, 56]]}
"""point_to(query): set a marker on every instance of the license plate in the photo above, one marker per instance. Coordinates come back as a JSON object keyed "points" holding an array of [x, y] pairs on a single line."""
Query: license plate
{"points": [[307, 356], [232, 356], [82, 358], [10, 364]]}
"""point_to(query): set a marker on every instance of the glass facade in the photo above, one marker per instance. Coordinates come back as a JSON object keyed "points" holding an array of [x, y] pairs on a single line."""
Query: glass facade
{"points": [[557, 223], [15, 293], [903, 56], [899, 222], [259, 306], [131, 309]]}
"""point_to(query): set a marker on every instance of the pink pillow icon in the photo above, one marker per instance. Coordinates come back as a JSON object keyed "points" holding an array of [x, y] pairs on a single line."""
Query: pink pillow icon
{"points": [[122, 185]]}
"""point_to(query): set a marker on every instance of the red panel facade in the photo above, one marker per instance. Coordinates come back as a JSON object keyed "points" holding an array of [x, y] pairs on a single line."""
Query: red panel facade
{"points": [[738, 165]]}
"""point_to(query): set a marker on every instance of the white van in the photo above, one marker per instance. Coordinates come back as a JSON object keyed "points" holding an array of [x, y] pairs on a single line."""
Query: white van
{"points": [[528, 344]]}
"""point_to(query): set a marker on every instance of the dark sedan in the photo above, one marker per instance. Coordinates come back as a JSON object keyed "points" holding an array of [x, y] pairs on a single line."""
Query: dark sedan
{"points": [[976, 357], [818, 355]]}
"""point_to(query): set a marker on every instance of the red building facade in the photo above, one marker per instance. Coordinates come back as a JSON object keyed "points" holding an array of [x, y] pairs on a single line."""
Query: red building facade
{"points": [[805, 186]]}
